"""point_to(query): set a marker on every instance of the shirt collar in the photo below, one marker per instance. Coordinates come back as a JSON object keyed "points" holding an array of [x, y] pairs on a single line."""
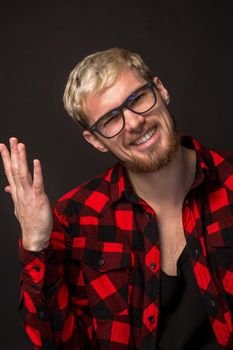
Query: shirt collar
{"points": [[206, 163], [205, 160]]}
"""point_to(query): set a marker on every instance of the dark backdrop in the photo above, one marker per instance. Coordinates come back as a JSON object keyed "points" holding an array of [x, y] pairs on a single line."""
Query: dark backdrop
{"points": [[188, 44]]}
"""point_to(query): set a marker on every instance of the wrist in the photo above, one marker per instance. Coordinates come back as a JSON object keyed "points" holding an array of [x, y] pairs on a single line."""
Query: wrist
{"points": [[34, 246]]}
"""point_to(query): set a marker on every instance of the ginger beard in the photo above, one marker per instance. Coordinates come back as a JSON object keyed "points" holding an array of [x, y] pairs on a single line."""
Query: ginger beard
{"points": [[155, 157]]}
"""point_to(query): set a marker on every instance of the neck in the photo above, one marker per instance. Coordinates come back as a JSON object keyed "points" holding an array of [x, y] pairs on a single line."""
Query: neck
{"points": [[167, 187]]}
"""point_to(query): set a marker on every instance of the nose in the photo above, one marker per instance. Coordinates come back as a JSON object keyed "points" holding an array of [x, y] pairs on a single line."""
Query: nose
{"points": [[133, 122]]}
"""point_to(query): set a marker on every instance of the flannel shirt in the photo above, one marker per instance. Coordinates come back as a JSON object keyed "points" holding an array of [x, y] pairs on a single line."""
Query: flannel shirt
{"points": [[96, 286]]}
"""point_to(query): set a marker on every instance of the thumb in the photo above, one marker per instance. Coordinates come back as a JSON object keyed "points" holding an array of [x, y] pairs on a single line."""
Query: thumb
{"points": [[8, 189]]}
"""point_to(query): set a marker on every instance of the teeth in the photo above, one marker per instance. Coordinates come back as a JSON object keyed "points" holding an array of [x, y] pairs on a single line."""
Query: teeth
{"points": [[146, 137]]}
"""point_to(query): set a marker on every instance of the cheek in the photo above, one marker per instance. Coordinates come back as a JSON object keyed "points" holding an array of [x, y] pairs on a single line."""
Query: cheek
{"points": [[119, 146], [119, 150], [166, 119]]}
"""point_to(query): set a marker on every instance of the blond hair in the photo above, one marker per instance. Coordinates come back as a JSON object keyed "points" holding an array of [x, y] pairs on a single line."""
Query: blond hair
{"points": [[96, 72]]}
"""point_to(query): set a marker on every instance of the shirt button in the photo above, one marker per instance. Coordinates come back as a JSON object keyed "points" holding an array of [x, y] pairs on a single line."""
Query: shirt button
{"points": [[101, 262], [36, 268], [196, 251], [151, 319], [152, 265], [148, 215], [212, 303]]}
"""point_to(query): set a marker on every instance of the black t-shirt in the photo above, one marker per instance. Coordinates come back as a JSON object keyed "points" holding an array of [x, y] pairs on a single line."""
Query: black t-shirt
{"points": [[183, 321]]}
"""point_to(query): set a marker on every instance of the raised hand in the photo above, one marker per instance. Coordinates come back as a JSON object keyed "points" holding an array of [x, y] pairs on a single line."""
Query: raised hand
{"points": [[32, 207]]}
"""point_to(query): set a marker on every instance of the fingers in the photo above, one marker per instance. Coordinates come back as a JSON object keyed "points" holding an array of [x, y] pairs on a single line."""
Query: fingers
{"points": [[8, 189], [7, 165], [16, 166], [15, 162], [23, 171], [38, 183]]}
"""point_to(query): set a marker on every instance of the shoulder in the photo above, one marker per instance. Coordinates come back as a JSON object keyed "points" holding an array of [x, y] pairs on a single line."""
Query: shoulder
{"points": [[90, 196], [223, 164]]}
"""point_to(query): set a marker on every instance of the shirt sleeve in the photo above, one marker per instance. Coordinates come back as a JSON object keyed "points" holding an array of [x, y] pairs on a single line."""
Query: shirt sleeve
{"points": [[55, 313]]}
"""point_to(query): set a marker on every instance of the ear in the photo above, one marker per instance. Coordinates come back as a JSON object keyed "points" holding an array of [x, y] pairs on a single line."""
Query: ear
{"points": [[162, 90], [94, 141]]}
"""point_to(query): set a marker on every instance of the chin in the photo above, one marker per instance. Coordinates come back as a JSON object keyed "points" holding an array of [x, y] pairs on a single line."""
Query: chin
{"points": [[156, 159]]}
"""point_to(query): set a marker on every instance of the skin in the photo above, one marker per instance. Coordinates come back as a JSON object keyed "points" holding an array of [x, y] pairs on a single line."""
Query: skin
{"points": [[32, 207], [172, 177]]}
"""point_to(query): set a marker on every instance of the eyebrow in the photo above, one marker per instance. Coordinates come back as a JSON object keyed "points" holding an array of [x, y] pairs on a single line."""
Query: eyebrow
{"points": [[131, 93]]}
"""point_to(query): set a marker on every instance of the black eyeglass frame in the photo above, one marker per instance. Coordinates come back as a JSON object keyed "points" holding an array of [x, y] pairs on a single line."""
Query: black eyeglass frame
{"points": [[120, 108]]}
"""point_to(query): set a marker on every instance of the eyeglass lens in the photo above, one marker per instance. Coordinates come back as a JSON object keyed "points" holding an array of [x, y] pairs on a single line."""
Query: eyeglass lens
{"points": [[139, 102]]}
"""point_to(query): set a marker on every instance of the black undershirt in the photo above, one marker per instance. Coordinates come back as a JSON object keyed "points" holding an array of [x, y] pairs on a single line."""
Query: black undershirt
{"points": [[183, 321]]}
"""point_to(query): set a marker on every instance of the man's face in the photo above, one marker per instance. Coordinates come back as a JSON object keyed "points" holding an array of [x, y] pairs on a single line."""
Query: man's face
{"points": [[148, 142]]}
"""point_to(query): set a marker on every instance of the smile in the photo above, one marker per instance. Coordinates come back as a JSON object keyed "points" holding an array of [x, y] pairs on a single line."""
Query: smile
{"points": [[145, 137]]}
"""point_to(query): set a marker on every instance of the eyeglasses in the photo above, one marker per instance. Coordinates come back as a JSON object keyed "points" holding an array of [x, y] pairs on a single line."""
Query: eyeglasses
{"points": [[140, 101]]}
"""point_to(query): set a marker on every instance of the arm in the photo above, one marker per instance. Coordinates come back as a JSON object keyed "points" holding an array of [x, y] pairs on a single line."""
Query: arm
{"points": [[53, 318], [54, 315]]}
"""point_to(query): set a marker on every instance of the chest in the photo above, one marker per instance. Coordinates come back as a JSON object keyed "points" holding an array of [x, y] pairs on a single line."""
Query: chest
{"points": [[172, 241]]}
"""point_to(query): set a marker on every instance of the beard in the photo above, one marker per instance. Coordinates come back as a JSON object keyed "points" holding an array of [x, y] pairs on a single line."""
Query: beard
{"points": [[155, 158]]}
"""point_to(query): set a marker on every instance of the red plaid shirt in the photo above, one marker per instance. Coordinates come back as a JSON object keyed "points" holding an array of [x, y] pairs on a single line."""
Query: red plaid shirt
{"points": [[97, 285]]}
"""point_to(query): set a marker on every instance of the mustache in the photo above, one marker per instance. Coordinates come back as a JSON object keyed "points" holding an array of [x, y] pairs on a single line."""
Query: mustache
{"points": [[140, 131]]}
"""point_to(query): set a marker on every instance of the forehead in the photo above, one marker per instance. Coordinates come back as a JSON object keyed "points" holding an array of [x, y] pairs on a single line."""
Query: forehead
{"points": [[98, 104]]}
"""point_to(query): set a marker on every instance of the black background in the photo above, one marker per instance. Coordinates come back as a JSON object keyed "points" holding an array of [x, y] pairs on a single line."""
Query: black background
{"points": [[188, 44]]}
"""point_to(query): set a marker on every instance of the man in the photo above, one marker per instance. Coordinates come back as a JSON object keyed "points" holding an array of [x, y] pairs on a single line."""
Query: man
{"points": [[139, 257]]}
